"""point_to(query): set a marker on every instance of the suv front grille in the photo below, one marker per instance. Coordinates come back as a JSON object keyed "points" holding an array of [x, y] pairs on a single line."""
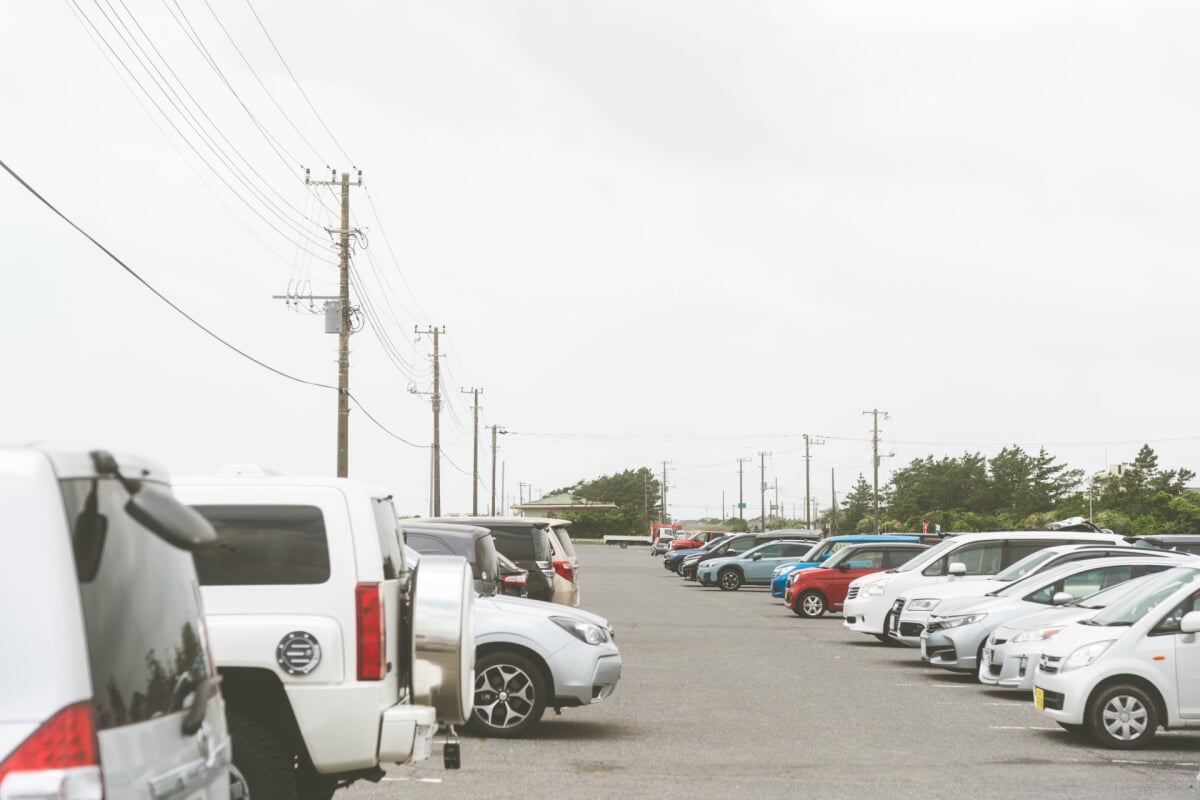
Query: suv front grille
{"points": [[1049, 664], [852, 593], [911, 628]]}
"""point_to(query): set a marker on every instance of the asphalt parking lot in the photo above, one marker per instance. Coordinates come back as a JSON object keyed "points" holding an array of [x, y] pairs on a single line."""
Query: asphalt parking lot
{"points": [[730, 693]]}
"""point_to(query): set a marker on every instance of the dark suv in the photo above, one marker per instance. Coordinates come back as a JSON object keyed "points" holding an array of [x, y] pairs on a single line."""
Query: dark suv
{"points": [[474, 544], [740, 543], [526, 542]]}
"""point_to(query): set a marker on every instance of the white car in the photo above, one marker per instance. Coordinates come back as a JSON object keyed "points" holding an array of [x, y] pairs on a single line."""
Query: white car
{"points": [[918, 604], [1129, 669], [531, 655], [107, 685], [871, 599], [1012, 652]]}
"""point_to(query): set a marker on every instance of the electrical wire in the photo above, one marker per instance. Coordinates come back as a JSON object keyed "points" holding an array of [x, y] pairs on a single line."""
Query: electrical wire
{"points": [[133, 273]]}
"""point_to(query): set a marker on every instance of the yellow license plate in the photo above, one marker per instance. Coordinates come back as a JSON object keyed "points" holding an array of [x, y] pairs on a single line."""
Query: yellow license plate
{"points": [[1039, 698]]}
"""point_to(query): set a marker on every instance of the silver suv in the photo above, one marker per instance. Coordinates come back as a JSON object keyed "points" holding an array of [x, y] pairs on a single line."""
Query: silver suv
{"points": [[121, 699]]}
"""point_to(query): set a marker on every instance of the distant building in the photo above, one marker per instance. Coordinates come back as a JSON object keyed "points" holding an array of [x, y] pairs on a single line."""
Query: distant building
{"points": [[554, 505]]}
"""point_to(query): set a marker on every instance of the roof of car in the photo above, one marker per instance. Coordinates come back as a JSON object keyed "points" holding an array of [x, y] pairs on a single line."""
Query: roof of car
{"points": [[485, 521], [444, 528]]}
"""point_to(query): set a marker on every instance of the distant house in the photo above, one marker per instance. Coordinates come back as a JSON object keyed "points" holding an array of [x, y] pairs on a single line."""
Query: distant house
{"points": [[554, 505]]}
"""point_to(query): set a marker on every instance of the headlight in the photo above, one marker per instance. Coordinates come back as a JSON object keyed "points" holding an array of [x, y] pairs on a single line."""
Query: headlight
{"points": [[922, 604], [583, 631], [1039, 635], [1085, 655], [957, 622], [875, 589]]}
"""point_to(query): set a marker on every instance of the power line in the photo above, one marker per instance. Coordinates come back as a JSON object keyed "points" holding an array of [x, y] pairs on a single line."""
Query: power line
{"points": [[188, 316]]}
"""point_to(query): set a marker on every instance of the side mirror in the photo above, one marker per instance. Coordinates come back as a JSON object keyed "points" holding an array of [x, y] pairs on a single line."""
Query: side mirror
{"points": [[1062, 598], [957, 568], [756, 557], [1190, 622], [843, 567]]}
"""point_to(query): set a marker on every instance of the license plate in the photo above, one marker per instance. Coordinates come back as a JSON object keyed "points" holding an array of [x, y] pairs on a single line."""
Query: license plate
{"points": [[1039, 698]]}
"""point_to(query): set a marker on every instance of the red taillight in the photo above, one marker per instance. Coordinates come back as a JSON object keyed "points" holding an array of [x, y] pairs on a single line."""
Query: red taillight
{"points": [[564, 569], [65, 741], [514, 580], [372, 636]]}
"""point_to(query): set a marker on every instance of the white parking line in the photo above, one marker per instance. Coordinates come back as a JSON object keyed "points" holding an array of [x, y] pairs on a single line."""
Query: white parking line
{"points": [[415, 780], [1020, 728]]}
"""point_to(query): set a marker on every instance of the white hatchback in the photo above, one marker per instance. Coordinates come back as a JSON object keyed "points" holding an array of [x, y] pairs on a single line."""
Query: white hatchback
{"points": [[1133, 667]]}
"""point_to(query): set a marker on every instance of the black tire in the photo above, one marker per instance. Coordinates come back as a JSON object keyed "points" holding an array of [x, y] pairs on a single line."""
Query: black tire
{"points": [[311, 785], [679, 567], [624, 545], [510, 695], [1122, 717], [811, 604], [979, 660], [266, 766], [729, 579]]}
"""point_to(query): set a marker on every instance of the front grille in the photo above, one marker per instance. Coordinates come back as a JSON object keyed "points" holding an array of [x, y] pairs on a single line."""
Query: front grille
{"points": [[852, 593], [994, 670], [911, 628], [946, 650], [1049, 664], [1054, 700]]}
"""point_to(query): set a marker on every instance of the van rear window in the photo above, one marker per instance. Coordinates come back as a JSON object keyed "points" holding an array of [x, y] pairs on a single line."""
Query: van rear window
{"points": [[264, 545], [522, 542]]}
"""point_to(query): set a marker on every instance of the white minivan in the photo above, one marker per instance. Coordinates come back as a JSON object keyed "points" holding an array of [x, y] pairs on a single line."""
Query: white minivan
{"points": [[1131, 668], [107, 686]]}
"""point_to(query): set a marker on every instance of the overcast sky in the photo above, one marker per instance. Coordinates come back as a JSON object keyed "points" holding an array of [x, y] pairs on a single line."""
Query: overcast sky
{"points": [[655, 231]]}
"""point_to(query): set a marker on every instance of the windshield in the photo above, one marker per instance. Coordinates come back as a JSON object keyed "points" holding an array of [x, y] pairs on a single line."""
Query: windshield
{"points": [[1106, 597], [1136, 605], [928, 557], [1025, 566]]}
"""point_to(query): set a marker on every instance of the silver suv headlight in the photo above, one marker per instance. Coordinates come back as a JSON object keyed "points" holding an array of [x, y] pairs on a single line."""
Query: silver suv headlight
{"points": [[583, 631]]}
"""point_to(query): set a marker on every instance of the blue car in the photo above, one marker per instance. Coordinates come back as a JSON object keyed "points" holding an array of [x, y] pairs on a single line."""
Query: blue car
{"points": [[823, 550], [674, 558]]}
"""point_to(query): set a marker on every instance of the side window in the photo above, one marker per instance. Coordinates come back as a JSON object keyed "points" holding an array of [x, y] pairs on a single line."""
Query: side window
{"points": [[1018, 550], [771, 551], [796, 549], [1170, 623], [981, 558], [898, 556], [516, 544], [264, 545], [739, 546], [141, 609], [865, 559], [389, 538], [1083, 583]]}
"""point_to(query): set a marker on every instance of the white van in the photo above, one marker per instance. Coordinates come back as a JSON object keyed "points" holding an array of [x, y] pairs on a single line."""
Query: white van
{"points": [[871, 600], [107, 686], [1129, 669]]}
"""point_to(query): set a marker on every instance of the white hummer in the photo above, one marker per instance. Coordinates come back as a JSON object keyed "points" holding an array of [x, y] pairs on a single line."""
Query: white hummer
{"points": [[334, 661]]}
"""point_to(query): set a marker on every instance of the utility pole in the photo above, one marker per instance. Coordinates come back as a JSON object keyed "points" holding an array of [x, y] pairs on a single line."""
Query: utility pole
{"points": [[663, 510], [778, 510], [723, 517], [833, 504], [503, 488], [521, 491], [475, 455], [338, 312], [875, 450], [495, 430], [437, 413], [807, 488], [762, 488], [741, 489]]}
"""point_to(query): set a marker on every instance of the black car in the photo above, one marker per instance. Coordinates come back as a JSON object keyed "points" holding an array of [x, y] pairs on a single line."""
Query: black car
{"points": [[526, 542], [740, 543], [513, 579]]}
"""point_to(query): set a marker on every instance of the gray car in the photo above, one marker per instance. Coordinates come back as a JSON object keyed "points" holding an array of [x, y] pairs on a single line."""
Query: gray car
{"points": [[956, 635], [474, 544]]}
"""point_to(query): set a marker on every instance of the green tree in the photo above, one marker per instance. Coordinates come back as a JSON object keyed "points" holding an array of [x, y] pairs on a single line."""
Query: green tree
{"points": [[857, 505]]}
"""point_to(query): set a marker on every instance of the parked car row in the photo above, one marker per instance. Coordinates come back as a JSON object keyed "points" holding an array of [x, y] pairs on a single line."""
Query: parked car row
{"points": [[255, 634]]}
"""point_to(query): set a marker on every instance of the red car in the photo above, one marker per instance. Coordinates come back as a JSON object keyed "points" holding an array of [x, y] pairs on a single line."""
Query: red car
{"points": [[694, 539], [812, 592]]}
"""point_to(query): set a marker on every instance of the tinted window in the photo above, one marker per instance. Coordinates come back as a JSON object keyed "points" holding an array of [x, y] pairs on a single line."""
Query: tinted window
{"points": [[1170, 623], [264, 545], [738, 546], [864, 559], [389, 538], [522, 543], [897, 556], [771, 550], [428, 545], [141, 609], [1082, 584], [796, 548]]}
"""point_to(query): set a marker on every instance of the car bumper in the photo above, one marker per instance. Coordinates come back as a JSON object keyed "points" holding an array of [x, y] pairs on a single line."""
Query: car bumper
{"points": [[706, 578], [1062, 699], [909, 629], [406, 734], [1010, 666], [955, 649], [865, 614], [585, 674], [778, 585]]}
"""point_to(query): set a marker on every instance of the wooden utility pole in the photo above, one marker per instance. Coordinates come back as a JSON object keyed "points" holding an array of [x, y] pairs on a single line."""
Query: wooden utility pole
{"points": [[343, 300], [475, 454], [741, 489], [762, 486], [437, 413], [807, 487], [875, 451], [833, 505], [663, 510], [495, 430]]}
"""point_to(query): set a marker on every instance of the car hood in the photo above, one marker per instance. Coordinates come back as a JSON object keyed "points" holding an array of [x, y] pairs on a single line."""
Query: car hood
{"points": [[955, 589], [1077, 635], [1051, 617], [717, 562], [538, 608], [798, 565], [969, 605]]}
